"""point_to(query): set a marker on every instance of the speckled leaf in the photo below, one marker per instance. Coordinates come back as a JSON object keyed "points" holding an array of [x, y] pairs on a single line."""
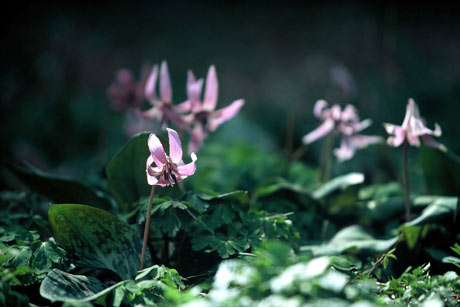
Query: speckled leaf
{"points": [[126, 172], [59, 189], [64, 287], [97, 238]]}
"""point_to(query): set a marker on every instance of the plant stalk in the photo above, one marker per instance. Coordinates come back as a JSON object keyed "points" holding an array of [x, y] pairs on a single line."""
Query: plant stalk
{"points": [[406, 183], [147, 227]]}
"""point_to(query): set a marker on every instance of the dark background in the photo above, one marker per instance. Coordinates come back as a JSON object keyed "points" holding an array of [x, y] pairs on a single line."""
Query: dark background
{"points": [[58, 61]]}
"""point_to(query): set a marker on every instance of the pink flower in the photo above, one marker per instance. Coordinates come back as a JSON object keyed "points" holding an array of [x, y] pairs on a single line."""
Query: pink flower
{"points": [[412, 128], [163, 109], [203, 117], [168, 170], [125, 93], [346, 123], [134, 123]]}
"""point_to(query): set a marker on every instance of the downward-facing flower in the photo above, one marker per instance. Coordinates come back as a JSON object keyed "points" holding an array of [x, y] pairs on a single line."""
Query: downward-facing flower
{"points": [[163, 109], [204, 117], [345, 122], [413, 128], [125, 93], [168, 170]]}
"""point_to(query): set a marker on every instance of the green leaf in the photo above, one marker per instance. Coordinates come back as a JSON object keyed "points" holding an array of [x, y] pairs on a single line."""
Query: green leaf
{"points": [[97, 238], [126, 172], [352, 239], [437, 210], [61, 286], [338, 183], [59, 189], [46, 254]]}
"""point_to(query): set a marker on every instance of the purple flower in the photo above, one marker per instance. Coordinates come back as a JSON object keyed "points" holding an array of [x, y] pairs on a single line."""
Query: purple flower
{"points": [[125, 93], [168, 170], [203, 115], [346, 123], [412, 128], [163, 109]]}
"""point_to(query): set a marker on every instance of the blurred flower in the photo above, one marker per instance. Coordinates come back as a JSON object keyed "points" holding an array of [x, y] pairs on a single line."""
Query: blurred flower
{"points": [[125, 93], [412, 128], [135, 123], [346, 123], [163, 110], [168, 170], [203, 117]]}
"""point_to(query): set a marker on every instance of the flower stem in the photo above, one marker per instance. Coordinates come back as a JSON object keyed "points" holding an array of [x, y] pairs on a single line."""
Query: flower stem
{"points": [[406, 182], [147, 227], [326, 159]]}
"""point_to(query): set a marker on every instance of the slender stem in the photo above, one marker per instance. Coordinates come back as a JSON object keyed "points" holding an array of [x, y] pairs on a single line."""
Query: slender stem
{"points": [[326, 158], [147, 227], [406, 182], [296, 155]]}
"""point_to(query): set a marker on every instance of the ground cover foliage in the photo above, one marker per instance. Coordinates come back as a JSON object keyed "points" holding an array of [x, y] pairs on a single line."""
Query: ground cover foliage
{"points": [[258, 230]]}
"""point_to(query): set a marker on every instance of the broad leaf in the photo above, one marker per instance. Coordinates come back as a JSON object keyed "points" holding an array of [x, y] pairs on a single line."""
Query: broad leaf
{"points": [[352, 239], [97, 238], [61, 286], [126, 172], [338, 183], [440, 208], [59, 189]]}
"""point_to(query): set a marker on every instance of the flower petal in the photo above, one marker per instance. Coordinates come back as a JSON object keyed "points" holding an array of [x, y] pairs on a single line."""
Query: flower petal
{"points": [[165, 83], [212, 89], [224, 114], [156, 150], [188, 169], [319, 107], [194, 89], [324, 129], [149, 91], [175, 146], [428, 140], [349, 114], [346, 149]]}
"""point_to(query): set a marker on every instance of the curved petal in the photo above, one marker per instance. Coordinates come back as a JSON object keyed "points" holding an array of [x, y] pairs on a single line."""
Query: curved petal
{"points": [[212, 89], [175, 146], [188, 169], [324, 129], [184, 107], [194, 88], [149, 90], [346, 149], [165, 83], [350, 114], [156, 150], [224, 114], [428, 140], [398, 137], [319, 107]]}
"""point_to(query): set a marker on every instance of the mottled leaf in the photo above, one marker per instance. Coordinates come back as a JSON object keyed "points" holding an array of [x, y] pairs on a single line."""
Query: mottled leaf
{"points": [[126, 176], [60, 189], [61, 286], [97, 238]]}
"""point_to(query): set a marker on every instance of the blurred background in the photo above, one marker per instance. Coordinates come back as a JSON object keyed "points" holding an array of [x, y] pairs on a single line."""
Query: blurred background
{"points": [[59, 59]]}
